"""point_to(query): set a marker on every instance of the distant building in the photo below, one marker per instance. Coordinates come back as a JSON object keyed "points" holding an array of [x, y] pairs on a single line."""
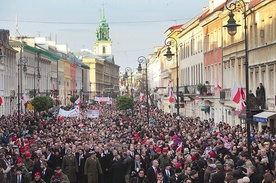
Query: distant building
{"points": [[104, 73]]}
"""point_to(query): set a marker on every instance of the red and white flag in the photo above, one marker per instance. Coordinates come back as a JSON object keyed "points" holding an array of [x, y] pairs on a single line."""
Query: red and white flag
{"points": [[235, 94], [179, 148], [141, 97], [24, 98], [78, 101], [241, 104], [218, 86], [171, 144], [172, 96]]}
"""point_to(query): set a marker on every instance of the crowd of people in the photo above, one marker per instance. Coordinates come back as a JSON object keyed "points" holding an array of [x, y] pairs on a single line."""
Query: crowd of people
{"points": [[122, 147]]}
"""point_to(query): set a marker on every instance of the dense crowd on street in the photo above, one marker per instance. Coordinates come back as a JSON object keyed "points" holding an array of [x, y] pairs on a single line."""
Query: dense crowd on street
{"points": [[123, 147]]}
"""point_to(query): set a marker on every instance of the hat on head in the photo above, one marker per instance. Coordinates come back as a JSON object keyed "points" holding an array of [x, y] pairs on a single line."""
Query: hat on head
{"points": [[178, 165], [27, 154], [37, 174], [175, 137], [92, 152], [58, 168], [212, 154], [165, 150], [19, 160], [193, 158], [193, 172], [158, 149]]}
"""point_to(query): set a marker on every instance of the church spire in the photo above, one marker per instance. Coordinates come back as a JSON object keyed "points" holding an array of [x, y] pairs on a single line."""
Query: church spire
{"points": [[103, 44], [102, 12], [103, 29]]}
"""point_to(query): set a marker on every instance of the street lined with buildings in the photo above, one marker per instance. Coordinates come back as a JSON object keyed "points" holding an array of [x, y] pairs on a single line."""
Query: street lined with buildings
{"points": [[206, 63]]}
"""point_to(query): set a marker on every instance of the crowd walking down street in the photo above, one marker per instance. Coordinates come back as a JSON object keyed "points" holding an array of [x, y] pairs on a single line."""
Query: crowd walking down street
{"points": [[122, 147]]}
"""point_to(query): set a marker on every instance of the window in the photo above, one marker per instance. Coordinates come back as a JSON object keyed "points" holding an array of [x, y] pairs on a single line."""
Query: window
{"points": [[104, 50]]}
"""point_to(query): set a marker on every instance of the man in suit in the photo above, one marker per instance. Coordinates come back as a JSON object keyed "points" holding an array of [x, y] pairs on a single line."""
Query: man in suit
{"points": [[138, 164], [160, 178], [46, 173], [167, 172], [51, 159], [176, 177], [19, 177], [80, 161], [153, 171]]}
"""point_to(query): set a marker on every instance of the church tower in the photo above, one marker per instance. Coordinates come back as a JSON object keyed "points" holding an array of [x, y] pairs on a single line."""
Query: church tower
{"points": [[103, 44]]}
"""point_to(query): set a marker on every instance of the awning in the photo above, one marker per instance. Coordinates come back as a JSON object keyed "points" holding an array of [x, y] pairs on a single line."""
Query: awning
{"points": [[263, 116]]}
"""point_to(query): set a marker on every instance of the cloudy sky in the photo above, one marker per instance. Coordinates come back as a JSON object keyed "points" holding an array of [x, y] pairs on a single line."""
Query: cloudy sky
{"points": [[136, 26]]}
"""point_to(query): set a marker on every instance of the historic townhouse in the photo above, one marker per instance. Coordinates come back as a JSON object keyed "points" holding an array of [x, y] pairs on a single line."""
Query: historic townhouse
{"points": [[191, 67], [261, 23], [212, 32], [8, 79]]}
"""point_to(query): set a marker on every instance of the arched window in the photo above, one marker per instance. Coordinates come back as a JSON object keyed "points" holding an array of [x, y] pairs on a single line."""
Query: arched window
{"points": [[104, 50]]}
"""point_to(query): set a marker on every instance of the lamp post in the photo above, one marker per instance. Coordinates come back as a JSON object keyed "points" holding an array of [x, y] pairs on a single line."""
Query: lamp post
{"points": [[232, 30], [169, 42], [21, 62], [127, 70], [49, 74], [141, 60], [38, 76]]}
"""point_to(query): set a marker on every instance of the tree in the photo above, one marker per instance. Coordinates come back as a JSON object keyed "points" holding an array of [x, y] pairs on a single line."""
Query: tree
{"points": [[74, 98], [124, 102], [42, 103]]}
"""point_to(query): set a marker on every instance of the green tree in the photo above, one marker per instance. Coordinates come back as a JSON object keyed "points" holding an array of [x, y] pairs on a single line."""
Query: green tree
{"points": [[74, 98], [42, 103], [124, 102]]}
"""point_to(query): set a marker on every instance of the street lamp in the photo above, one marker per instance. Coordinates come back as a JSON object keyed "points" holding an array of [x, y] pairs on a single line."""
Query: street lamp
{"points": [[49, 74], [21, 62], [127, 70], [141, 60], [232, 29], [169, 55], [38, 76]]}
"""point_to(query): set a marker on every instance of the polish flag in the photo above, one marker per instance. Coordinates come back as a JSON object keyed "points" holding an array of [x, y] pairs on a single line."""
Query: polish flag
{"points": [[78, 102], [179, 148], [241, 104], [24, 99], [141, 98], [172, 96], [171, 144], [235, 94], [242, 93], [218, 86]]}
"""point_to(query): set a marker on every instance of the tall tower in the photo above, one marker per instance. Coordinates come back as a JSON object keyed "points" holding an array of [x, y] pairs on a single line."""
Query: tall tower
{"points": [[103, 44]]}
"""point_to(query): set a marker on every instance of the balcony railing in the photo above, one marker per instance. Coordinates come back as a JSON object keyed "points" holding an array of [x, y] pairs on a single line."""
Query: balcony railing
{"points": [[192, 90], [225, 94]]}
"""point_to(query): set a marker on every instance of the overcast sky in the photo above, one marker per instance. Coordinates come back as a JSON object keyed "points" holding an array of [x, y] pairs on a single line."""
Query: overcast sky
{"points": [[136, 26]]}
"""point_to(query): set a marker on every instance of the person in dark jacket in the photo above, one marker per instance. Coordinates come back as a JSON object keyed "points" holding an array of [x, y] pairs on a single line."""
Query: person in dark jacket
{"points": [[118, 170], [153, 171], [140, 177], [219, 176], [46, 173], [253, 175]]}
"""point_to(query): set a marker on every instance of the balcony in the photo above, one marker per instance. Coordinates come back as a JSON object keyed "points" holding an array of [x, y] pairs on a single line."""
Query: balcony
{"points": [[225, 95], [191, 90]]}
